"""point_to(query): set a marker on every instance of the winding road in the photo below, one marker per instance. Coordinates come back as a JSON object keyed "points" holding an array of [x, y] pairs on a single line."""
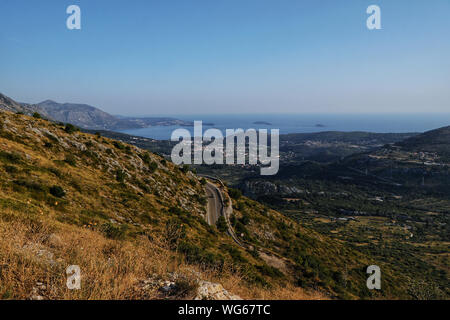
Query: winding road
{"points": [[214, 204], [216, 208]]}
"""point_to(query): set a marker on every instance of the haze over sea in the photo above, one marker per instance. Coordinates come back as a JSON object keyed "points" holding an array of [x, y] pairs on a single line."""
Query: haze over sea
{"points": [[305, 123]]}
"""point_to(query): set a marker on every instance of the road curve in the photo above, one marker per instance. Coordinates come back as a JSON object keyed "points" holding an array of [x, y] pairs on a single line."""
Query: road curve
{"points": [[216, 208], [214, 205]]}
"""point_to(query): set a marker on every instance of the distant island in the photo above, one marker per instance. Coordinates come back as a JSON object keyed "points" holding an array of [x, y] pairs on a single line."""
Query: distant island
{"points": [[319, 125], [263, 123]]}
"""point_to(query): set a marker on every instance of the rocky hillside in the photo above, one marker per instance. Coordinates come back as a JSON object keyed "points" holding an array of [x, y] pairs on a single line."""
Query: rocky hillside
{"points": [[85, 116], [134, 223], [9, 104], [128, 218]]}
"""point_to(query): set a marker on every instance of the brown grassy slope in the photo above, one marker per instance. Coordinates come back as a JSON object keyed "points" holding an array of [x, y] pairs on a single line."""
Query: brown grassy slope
{"points": [[120, 213]]}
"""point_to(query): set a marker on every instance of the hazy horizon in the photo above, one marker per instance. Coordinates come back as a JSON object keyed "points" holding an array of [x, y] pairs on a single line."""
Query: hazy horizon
{"points": [[156, 58], [243, 113]]}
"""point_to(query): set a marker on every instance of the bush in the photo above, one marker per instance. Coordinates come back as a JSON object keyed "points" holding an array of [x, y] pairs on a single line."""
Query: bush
{"points": [[221, 224], [48, 144], [115, 232], [11, 169], [10, 157], [70, 128], [245, 219], [235, 193], [146, 158], [200, 199], [37, 115], [270, 271], [235, 254], [152, 166], [71, 160], [57, 191], [193, 254], [119, 145], [120, 175]]}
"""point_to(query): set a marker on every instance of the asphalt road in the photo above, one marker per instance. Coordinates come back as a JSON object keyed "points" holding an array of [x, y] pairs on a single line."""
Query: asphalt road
{"points": [[214, 204]]}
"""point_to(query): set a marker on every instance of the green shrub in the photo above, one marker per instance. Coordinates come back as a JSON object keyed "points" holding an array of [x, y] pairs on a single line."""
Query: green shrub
{"points": [[146, 158], [270, 271], [153, 166], [200, 199], [37, 115], [119, 145], [48, 144], [11, 169], [57, 191], [235, 193], [10, 157], [221, 224], [120, 175], [70, 128], [193, 254], [71, 160], [113, 231], [245, 219]]}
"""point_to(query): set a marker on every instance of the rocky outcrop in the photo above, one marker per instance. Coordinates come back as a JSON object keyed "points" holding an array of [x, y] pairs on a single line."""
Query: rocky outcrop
{"points": [[175, 284], [213, 291]]}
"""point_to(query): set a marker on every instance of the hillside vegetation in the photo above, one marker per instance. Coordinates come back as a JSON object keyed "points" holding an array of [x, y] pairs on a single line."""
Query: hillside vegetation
{"points": [[125, 215], [122, 214]]}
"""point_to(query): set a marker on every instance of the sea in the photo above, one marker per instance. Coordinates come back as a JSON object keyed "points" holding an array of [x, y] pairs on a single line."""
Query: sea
{"points": [[304, 123]]}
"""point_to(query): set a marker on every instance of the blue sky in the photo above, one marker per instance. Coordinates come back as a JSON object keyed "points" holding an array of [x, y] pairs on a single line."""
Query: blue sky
{"points": [[144, 57]]}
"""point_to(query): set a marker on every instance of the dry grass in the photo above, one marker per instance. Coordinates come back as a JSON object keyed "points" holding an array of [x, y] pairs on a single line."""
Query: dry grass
{"points": [[39, 251]]}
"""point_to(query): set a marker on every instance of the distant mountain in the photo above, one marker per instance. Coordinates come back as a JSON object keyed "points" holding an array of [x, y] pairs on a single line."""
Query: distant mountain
{"points": [[81, 115], [85, 116]]}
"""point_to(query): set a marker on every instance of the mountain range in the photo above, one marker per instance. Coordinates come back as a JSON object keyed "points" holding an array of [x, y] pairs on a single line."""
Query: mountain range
{"points": [[86, 116]]}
